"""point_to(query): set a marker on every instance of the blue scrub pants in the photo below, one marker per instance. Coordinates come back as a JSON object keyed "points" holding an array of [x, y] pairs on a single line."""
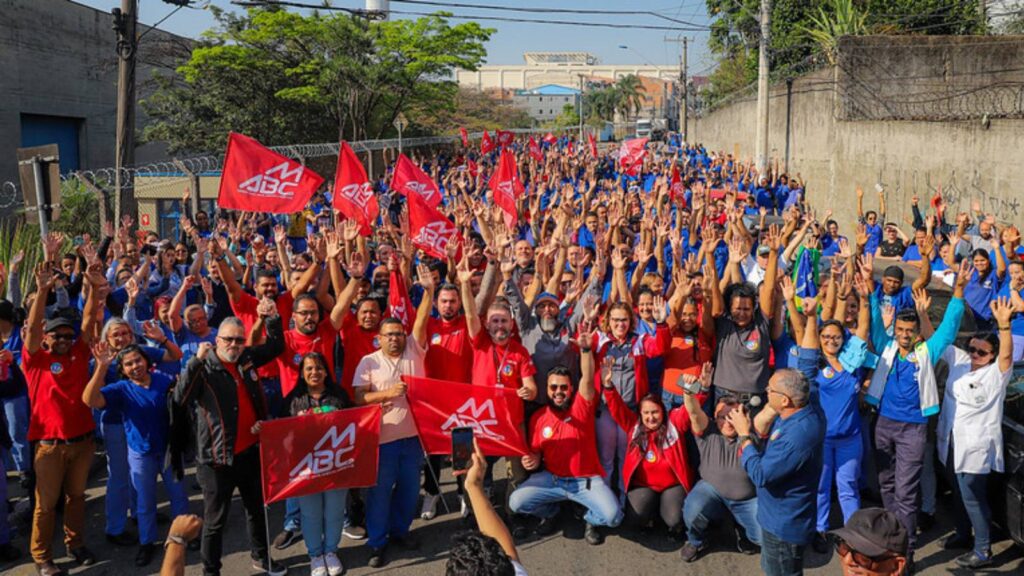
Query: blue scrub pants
{"points": [[145, 468], [841, 463]]}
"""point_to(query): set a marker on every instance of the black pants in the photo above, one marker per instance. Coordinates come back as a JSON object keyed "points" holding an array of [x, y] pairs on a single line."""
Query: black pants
{"points": [[432, 474], [642, 502], [218, 484]]}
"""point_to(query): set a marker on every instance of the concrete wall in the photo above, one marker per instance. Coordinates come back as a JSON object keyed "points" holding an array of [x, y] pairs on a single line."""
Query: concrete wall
{"points": [[57, 59], [969, 159]]}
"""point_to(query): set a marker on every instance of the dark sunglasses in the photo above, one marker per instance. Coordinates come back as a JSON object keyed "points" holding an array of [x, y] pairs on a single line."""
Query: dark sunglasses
{"points": [[63, 336], [232, 340], [557, 387], [872, 563], [978, 351]]}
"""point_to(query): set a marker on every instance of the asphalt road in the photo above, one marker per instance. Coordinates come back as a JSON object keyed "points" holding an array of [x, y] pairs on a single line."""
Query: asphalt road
{"points": [[565, 553]]}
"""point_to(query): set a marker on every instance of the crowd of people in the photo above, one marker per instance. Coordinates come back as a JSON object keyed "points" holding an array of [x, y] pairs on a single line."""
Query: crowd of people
{"points": [[695, 345]]}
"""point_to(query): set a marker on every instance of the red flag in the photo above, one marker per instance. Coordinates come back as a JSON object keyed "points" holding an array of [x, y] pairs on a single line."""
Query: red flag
{"points": [[317, 452], [569, 149], [353, 193], [465, 136], [410, 178], [504, 137], [631, 155], [473, 169], [399, 304], [258, 179], [486, 144], [535, 151], [675, 188], [550, 138], [430, 230], [506, 186], [593, 145], [494, 413]]}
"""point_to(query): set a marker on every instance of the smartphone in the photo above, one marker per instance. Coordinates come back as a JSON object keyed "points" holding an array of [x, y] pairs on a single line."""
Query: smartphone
{"points": [[462, 448]]}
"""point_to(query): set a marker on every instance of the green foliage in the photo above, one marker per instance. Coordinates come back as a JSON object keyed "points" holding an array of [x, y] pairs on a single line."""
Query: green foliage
{"points": [[625, 97], [825, 28], [284, 77], [18, 236], [569, 116], [474, 110], [79, 211]]}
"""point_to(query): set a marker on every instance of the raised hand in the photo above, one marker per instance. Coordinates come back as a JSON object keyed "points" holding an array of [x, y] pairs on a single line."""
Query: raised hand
{"points": [[788, 288], [151, 330], [737, 250], [659, 312], [207, 285], [591, 307], [280, 234], [350, 230], [356, 265], [103, 354], [16, 260], [1002, 311], [922, 300], [618, 259], [266, 308], [963, 276], [867, 267], [463, 272]]}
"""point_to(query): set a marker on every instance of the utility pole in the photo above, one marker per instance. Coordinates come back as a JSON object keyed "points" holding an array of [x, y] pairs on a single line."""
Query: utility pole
{"points": [[581, 108], [684, 91], [125, 21], [761, 146]]}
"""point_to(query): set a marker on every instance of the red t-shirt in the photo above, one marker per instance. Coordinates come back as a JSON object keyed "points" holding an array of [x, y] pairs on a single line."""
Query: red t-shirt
{"points": [[654, 471], [297, 345], [358, 343], [55, 387], [686, 355], [450, 356], [504, 366], [245, 308], [246, 413], [567, 440]]}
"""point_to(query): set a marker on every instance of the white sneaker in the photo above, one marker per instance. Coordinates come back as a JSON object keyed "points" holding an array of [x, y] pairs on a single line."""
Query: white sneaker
{"points": [[463, 507], [334, 567], [317, 567], [429, 509]]}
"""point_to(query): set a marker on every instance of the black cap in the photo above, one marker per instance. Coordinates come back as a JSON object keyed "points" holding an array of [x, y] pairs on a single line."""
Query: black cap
{"points": [[7, 310], [874, 532], [59, 322], [893, 272]]}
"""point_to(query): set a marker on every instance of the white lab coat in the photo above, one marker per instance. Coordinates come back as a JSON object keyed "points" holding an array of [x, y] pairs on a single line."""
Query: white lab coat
{"points": [[972, 414]]}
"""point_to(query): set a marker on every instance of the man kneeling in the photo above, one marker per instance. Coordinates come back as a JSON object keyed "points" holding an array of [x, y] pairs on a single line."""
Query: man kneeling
{"points": [[564, 459]]}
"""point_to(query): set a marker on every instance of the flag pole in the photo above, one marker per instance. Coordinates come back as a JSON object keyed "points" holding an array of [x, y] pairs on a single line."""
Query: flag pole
{"points": [[437, 481], [266, 516]]}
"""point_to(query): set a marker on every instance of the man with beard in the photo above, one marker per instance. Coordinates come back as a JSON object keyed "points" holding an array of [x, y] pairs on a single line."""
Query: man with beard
{"points": [[564, 458], [222, 393]]}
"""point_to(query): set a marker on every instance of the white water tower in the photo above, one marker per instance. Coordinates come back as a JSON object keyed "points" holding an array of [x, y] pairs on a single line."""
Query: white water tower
{"points": [[378, 6]]}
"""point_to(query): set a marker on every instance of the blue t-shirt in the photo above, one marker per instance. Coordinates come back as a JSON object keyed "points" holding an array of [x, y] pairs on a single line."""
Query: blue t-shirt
{"points": [[830, 246], [189, 342], [786, 474], [105, 415], [979, 292], [901, 300], [874, 232], [837, 393], [144, 411], [1017, 320]]}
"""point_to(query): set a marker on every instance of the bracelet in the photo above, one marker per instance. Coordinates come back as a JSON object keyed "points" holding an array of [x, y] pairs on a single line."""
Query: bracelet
{"points": [[174, 538], [1004, 328], [586, 350]]}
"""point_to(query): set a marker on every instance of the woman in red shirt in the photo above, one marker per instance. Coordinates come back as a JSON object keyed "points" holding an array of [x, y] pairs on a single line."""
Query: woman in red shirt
{"points": [[693, 338], [657, 472]]}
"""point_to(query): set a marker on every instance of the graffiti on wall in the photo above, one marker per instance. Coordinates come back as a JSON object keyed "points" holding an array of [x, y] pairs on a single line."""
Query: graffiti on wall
{"points": [[960, 191]]}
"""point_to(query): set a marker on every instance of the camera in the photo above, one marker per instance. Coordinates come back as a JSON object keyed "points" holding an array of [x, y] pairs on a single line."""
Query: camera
{"points": [[690, 387]]}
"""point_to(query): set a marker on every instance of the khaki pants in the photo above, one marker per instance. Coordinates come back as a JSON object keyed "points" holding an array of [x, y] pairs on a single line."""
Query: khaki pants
{"points": [[60, 466]]}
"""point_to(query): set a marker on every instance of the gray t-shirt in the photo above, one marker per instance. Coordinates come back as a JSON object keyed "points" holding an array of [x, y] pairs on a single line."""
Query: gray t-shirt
{"points": [[720, 465], [741, 355]]}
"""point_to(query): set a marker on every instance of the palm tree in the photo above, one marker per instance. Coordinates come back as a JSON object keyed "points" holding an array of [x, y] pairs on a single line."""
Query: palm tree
{"points": [[629, 91], [825, 28]]}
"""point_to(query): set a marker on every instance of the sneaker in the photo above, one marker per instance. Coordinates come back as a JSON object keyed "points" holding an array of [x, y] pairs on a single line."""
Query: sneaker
{"points": [[286, 539], [48, 568], [547, 526], [377, 558], [745, 546], [463, 507], [354, 532], [429, 509], [972, 560], [925, 522], [956, 542], [317, 567], [145, 555], [690, 552], [334, 566], [593, 535], [82, 556], [269, 567], [819, 543], [123, 539]]}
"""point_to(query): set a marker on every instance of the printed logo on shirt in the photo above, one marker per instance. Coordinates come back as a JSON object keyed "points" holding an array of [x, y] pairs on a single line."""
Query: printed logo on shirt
{"points": [[828, 372], [775, 435], [794, 352], [688, 340], [912, 357], [506, 370], [478, 417], [56, 368], [376, 342], [651, 456], [297, 359], [752, 345], [435, 339], [547, 432]]}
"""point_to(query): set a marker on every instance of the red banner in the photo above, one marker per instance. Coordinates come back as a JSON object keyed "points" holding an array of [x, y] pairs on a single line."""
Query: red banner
{"points": [[409, 178], [675, 187], [495, 415], [399, 304], [313, 453], [535, 151], [593, 145], [550, 138], [504, 137], [353, 193], [506, 187], [486, 144], [261, 180], [430, 230], [570, 149], [465, 136], [631, 155]]}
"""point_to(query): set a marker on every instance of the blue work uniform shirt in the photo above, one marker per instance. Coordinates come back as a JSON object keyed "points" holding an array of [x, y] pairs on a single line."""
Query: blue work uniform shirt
{"points": [[144, 411]]}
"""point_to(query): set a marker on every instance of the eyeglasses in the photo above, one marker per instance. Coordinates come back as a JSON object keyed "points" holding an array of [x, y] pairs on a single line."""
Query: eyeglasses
{"points": [[63, 336], [304, 312], [862, 560], [770, 391], [558, 387], [832, 337], [619, 320], [978, 351], [393, 335], [232, 339]]}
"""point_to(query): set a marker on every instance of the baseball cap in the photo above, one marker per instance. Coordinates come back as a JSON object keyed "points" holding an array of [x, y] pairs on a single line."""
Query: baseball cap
{"points": [[764, 250], [893, 272], [545, 296], [874, 532], [59, 322]]}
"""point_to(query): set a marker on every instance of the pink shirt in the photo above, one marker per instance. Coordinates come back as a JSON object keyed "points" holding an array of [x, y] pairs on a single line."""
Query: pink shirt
{"points": [[379, 372]]}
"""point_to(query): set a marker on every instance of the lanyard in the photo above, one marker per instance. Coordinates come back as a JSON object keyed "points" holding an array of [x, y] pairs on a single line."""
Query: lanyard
{"points": [[498, 365]]}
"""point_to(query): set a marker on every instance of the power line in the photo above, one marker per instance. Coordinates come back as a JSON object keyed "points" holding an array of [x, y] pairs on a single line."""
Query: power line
{"points": [[546, 10]]}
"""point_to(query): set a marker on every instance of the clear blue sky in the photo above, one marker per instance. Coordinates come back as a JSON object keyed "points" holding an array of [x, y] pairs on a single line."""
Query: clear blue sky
{"points": [[512, 39]]}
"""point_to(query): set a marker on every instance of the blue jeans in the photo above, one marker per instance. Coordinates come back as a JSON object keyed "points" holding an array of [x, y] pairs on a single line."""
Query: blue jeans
{"points": [[971, 510], [323, 516], [391, 503], [292, 514], [145, 468], [17, 413], [5, 527], [842, 458], [611, 448], [780, 558], [542, 492], [705, 505], [120, 497]]}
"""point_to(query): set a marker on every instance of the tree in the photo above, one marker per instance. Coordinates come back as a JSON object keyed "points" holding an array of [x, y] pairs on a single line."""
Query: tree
{"points": [[472, 109], [825, 29], [284, 77], [569, 116], [629, 92]]}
